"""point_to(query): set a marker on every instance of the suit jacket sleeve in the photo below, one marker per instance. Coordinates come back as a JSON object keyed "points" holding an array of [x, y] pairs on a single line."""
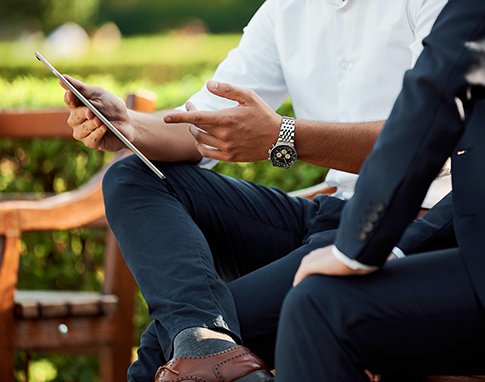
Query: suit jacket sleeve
{"points": [[432, 231], [427, 120]]}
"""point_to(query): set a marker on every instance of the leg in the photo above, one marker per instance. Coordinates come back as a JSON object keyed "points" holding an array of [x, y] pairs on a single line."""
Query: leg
{"points": [[150, 356], [259, 296], [172, 231], [418, 315]]}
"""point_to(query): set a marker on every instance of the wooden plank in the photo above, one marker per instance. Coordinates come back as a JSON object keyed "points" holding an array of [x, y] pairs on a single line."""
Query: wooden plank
{"points": [[46, 334], [35, 124], [55, 304]]}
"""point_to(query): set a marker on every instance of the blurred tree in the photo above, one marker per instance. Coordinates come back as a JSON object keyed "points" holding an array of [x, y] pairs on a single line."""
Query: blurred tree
{"points": [[153, 16], [45, 15], [132, 16]]}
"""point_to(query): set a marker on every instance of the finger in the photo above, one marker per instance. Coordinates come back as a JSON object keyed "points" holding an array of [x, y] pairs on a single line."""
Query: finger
{"points": [[373, 377], [209, 152], [204, 138], [93, 140], [84, 130], [234, 93], [194, 117], [77, 116], [71, 100], [86, 90], [302, 272]]}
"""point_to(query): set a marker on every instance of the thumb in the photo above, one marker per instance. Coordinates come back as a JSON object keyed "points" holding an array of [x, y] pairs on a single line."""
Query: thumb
{"points": [[85, 89], [229, 91]]}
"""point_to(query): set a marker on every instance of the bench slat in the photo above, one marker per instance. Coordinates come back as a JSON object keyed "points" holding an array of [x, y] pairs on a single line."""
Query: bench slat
{"points": [[52, 304]]}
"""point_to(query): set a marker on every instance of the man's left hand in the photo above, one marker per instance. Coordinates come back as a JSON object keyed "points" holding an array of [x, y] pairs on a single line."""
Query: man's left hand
{"points": [[322, 261], [240, 134]]}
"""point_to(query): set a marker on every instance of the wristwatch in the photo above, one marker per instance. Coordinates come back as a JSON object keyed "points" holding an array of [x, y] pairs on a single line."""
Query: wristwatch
{"points": [[283, 152]]}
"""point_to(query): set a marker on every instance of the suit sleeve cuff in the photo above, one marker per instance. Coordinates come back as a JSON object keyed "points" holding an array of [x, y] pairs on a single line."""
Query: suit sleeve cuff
{"points": [[398, 252], [352, 264]]}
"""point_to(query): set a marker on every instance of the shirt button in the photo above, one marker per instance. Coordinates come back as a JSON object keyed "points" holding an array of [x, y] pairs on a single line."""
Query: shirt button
{"points": [[344, 65]]}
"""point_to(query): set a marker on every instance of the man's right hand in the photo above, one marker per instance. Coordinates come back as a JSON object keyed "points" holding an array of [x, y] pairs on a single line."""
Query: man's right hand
{"points": [[86, 127]]}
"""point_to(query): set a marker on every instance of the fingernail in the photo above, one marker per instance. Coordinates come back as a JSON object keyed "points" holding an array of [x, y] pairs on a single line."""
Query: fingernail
{"points": [[211, 84], [168, 119]]}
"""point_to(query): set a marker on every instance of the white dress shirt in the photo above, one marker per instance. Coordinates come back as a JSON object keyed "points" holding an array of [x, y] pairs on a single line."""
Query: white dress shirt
{"points": [[338, 61]]}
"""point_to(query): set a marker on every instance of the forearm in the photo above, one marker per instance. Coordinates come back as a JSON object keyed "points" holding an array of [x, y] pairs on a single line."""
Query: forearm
{"points": [[341, 146], [163, 142]]}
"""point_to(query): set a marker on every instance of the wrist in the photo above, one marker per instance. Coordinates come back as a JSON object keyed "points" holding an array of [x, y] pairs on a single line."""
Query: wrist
{"points": [[283, 153], [131, 126]]}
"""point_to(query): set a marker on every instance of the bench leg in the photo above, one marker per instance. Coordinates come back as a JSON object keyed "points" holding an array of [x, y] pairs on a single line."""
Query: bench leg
{"points": [[6, 347], [114, 362]]}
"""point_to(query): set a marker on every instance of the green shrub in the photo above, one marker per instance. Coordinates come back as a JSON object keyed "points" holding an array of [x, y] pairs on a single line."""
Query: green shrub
{"points": [[152, 16]]}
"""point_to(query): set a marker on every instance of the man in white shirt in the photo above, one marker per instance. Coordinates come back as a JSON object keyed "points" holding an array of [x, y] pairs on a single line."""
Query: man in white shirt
{"points": [[341, 62]]}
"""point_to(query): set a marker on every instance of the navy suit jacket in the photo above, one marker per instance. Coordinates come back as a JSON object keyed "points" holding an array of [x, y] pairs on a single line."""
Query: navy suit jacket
{"points": [[433, 231], [439, 113]]}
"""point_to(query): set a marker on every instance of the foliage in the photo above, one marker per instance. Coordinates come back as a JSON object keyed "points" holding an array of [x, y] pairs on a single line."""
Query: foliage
{"points": [[152, 16], [133, 17], [46, 14], [155, 59], [74, 260]]}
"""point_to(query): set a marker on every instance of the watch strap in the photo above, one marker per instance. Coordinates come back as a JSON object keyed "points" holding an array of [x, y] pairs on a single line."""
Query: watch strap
{"points": [[287, 130]]}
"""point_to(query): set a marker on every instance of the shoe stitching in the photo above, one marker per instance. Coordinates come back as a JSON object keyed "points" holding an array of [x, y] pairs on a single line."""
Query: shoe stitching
{"points": [[218, 366], [210, 355]]}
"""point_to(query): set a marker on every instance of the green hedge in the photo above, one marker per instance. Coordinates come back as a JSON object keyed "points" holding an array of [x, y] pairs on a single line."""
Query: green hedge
{"points": [[134, 17], [156, 59], [152, 16]]}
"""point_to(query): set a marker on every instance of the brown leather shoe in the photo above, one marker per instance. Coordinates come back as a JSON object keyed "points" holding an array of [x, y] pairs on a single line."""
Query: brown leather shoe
{"points": [[234, 365]]}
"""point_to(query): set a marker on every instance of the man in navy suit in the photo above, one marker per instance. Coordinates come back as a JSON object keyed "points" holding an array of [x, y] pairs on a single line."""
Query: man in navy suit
{"points": [[421, 314]]}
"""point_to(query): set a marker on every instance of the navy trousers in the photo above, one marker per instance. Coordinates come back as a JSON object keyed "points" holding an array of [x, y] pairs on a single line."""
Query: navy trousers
{"points": [[417, 316], [210, 251]]}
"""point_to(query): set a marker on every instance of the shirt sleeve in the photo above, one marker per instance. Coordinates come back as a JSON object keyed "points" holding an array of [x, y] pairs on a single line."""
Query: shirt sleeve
{"points": [[398, 252], [422, 15], [352, 264], [254, 64]]}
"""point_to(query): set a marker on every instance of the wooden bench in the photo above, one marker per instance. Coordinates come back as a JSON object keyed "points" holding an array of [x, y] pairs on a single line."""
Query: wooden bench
{"points": [[63, 321]]}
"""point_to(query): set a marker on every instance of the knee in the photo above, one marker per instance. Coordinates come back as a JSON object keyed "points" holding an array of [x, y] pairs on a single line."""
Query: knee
{"points": [[300, 300], [127, 178], [119, 174], [315, 297]]}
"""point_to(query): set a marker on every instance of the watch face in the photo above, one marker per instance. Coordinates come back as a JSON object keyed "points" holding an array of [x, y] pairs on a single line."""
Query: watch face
{"points": [[283, 155]]}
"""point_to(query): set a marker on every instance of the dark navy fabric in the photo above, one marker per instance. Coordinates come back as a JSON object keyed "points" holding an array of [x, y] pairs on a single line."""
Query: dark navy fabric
{"points": [[211, 251]]}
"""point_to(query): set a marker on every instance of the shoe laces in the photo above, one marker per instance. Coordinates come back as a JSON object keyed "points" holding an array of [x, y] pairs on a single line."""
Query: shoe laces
{"points": [[165, 367]]}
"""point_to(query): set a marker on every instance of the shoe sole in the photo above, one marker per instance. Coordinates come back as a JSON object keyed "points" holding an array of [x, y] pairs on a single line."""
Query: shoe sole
{"points": [[257, 376]]}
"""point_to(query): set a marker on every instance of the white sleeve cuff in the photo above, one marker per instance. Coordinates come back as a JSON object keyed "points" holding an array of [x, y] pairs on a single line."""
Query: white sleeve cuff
{"points": [[399, 254], [352, 264]]}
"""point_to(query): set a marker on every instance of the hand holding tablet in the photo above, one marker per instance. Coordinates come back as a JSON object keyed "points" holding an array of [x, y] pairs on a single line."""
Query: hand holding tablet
{"points": [[100, 116]]}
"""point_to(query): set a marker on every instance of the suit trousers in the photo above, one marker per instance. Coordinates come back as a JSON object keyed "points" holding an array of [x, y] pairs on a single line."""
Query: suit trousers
{"points": [[210, 251], [416, 316]]}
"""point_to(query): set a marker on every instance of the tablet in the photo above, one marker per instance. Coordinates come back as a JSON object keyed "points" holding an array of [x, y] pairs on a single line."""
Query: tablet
{"points": [[101, 117]]}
